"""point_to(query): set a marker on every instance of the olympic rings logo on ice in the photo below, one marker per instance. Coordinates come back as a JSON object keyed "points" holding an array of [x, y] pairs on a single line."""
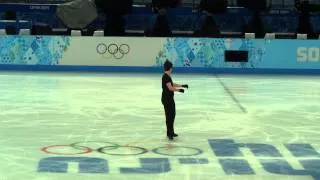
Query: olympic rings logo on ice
{"points": [[113, 50], [112, 148]]}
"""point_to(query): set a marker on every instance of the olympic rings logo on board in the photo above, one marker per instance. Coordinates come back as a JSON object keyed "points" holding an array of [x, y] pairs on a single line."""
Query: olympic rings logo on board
{"points": [[114, 149], [113, 50]]}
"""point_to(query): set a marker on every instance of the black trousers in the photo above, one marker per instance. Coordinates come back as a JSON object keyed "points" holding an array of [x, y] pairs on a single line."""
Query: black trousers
{"points": [[170, 112]]}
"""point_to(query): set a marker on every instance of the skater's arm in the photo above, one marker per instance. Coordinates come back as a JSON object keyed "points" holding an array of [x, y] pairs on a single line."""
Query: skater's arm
{"points": [[180, 86], [177, 85], [171, 88]]}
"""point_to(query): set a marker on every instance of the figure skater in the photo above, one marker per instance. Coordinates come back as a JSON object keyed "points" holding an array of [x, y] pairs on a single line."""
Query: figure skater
{"points": [[167, 99]]}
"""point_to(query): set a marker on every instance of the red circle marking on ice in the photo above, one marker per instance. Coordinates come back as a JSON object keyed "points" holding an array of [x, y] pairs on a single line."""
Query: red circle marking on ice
{"points": [[45, 149]]}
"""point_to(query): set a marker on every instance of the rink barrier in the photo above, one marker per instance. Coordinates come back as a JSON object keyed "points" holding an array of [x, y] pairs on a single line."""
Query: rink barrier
{"points": [[122, 69], [147, 55]]}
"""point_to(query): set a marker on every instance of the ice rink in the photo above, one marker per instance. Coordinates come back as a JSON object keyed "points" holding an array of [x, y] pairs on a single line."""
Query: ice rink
{"points": [[81, 126]]}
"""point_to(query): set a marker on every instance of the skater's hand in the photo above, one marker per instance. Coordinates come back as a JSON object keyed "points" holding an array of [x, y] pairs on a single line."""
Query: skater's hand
{"points": [[181, 90], [185, 86]]}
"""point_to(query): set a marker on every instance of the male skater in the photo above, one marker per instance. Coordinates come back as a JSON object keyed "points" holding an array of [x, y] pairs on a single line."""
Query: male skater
{"points": [[168, 88]]}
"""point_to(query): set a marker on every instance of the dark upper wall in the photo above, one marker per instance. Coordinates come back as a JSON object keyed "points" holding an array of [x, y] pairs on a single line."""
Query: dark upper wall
{"points": [[274, 3]]}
